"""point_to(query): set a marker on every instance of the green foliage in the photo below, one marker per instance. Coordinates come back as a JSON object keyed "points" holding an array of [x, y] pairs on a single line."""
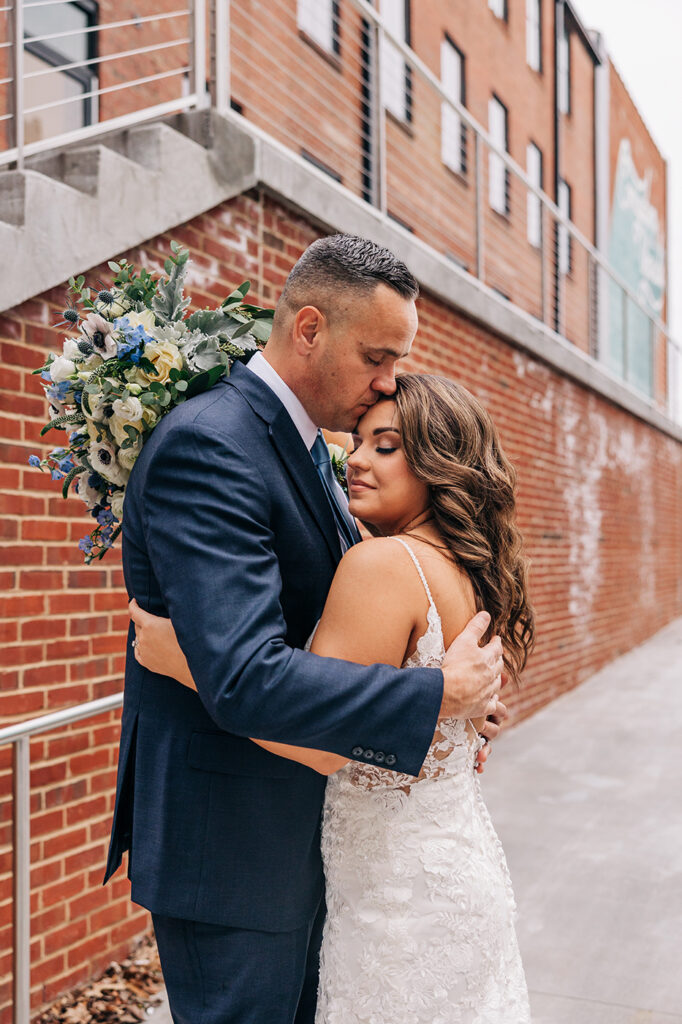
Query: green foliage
{"points": [[169, 302]]}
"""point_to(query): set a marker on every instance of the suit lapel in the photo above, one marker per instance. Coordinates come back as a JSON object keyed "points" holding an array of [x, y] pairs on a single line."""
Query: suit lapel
{"points": [[292, 451]]}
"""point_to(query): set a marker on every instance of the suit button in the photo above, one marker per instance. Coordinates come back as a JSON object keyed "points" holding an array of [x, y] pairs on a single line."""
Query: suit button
{"points": [[357, 751], [379, 757], [368, 754], [390, 760]]}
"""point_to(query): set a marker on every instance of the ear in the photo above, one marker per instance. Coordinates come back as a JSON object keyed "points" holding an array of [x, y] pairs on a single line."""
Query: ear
{"points": [[309, 322]]}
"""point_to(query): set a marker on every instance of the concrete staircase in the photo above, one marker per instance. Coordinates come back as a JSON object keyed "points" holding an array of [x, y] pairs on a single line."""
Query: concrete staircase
{"points": [[71, 209]]}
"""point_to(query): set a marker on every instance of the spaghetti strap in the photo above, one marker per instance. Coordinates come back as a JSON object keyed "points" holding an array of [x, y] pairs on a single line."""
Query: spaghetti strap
{"points": [[419, 570]]}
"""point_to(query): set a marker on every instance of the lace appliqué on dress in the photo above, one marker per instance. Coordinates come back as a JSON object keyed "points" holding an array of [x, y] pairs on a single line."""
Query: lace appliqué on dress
{"points": [[420, 907]]}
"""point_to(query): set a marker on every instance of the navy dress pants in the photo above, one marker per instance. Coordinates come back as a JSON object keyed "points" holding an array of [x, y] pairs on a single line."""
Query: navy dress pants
{"points": [[220, 975]]}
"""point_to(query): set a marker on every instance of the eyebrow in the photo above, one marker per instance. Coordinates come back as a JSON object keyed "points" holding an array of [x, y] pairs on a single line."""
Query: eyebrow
{"points": [[385, 430], [377, 349]]}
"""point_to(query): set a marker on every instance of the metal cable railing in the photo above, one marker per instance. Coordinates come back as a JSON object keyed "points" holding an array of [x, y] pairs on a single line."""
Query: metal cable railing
{"points": [[338, 86], [19, 737]]}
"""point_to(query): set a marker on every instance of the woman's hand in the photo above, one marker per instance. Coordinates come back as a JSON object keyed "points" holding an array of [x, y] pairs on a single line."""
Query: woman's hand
{"points": [[156, 646]]}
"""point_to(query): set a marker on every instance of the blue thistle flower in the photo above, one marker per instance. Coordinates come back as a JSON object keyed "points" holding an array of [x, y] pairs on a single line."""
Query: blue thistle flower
{"points": [[106, 297]]}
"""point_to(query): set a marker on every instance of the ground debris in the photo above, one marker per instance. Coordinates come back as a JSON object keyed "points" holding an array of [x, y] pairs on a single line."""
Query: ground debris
{"points": [[126, 993]]}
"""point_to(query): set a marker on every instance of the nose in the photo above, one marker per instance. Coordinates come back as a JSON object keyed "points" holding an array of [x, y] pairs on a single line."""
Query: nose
{"points": [[356, 460], [385, 382]]}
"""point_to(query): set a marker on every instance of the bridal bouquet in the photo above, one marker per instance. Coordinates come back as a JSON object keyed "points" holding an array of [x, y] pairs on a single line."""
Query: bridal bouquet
{"points": [[132, 356]]}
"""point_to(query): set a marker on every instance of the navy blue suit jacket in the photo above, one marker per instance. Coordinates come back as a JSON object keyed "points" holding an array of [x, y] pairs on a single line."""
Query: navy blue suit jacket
{"points": [[228, 530]]}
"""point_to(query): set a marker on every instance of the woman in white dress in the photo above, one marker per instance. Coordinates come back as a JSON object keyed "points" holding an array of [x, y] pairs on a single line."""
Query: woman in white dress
{"points": [[419, 901]]}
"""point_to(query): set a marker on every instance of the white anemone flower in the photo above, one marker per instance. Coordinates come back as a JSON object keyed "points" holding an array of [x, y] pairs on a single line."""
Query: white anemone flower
{"points": [[103, 460], [90, 495], [99, 333]]}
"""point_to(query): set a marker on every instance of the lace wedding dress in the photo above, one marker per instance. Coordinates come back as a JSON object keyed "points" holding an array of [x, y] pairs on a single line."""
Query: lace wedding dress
{"points": [[419, 901]]}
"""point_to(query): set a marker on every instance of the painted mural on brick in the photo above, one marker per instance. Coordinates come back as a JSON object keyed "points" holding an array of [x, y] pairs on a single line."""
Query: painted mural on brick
{"points": [[637, 253]]}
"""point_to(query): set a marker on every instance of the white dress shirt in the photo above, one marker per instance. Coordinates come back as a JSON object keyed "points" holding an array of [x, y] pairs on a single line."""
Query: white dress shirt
{"points": [[302, 421]]}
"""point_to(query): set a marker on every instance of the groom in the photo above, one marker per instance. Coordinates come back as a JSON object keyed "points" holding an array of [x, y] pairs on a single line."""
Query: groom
{"points": [[233, 531]]}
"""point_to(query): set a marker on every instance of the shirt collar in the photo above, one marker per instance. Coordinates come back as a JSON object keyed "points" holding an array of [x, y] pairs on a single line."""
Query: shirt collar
{"points": [[259, 365]]}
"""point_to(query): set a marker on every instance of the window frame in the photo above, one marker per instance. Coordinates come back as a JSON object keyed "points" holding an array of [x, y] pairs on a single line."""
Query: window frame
{"points": [[495, 5], [494, 98], [332, 53], [405, 116], [564, 72], [86, 76], [565, 264], [536, 5], [461, 169], [532, 199]]}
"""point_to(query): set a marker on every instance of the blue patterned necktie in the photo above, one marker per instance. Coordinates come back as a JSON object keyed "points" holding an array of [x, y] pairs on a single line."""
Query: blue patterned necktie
{"points": [[323, 464]]}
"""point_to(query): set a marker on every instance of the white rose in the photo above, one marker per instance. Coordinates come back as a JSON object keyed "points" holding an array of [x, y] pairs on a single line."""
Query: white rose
{"points": [[61, 369], [127, 457], [117, 424], [130, 410], [91, 363], [117, 504], [146, 318], [165, 356], [71, 350], [337, 452]]}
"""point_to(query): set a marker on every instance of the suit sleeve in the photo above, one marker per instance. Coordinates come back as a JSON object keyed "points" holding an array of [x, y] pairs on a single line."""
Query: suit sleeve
{"points": [[207, 526]]}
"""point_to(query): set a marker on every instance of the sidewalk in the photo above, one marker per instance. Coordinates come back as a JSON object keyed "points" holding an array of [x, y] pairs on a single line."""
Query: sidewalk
{"points": [[586, 797]]}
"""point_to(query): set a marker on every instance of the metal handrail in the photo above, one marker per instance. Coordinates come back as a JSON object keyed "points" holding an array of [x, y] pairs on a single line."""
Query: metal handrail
{"points": [[415, 62], [220, 45], [19, 736]]}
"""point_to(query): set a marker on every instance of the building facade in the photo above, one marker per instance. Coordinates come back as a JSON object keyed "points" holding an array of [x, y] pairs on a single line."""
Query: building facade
{"points": [[432, 132]]}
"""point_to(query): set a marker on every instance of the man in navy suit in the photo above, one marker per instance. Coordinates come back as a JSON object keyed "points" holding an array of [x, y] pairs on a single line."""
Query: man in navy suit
{"points": [[230, 530]]}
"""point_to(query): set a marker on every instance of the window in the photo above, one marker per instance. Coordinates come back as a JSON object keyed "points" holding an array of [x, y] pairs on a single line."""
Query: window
{"points": [[395, 74], [564, 247], [564, 74], [453, 132], [498, 175], [45, 82], [533, 34], [319, 19], [499, 8], [534, 204]]}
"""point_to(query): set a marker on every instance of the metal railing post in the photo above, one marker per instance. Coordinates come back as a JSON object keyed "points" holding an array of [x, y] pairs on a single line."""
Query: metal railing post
{"points": [[378, 122], [478, 169], [198, 27], [22, 881], [19, 81], [220, 55]]}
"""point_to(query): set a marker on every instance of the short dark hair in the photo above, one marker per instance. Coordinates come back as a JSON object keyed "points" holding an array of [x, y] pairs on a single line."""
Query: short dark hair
{"points": [[342, 262]]}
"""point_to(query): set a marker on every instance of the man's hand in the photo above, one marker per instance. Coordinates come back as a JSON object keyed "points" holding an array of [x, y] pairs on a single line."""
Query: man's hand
{"points": [[472, 674], [489, 730]]}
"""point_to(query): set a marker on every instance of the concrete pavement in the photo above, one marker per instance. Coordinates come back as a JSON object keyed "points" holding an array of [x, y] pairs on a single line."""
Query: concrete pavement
{"points": [[587, 799]]}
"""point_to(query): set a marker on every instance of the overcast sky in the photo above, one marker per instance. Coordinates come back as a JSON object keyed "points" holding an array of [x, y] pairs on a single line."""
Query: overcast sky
{"points": [[643, 40]]}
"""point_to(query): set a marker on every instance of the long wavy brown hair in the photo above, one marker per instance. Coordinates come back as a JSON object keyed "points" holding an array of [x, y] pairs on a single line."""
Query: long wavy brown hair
{"points": [[451, 443]]}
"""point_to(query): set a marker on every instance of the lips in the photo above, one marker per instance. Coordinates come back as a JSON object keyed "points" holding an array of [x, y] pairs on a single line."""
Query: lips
{"points": [[359, 485]]}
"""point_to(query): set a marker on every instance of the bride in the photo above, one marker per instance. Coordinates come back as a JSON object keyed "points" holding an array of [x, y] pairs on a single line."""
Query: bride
{"points": [[419, 902]]}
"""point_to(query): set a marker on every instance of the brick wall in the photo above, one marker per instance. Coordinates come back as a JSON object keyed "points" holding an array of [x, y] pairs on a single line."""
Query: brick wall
{"points": [[599, 503]]}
